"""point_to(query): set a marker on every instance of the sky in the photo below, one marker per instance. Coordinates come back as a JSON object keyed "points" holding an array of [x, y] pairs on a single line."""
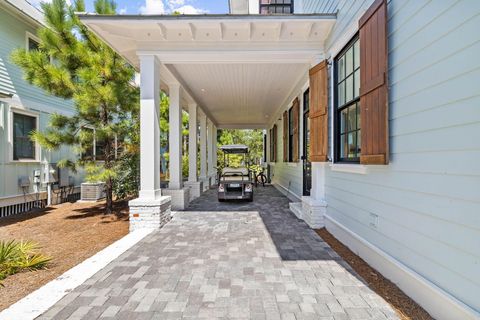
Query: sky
{"points": [[161, 6]]}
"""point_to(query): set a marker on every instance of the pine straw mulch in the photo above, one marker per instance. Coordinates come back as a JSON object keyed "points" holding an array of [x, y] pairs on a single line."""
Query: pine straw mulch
{"points": [[69, 233], [406, 308]]}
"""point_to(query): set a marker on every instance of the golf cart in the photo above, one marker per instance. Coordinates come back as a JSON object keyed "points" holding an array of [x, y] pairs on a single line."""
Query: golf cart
{"points": [[235, 183]]}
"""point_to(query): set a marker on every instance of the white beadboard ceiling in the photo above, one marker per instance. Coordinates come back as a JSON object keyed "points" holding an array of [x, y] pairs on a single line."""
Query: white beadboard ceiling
{"points": [[239, 69], [241, 95]]}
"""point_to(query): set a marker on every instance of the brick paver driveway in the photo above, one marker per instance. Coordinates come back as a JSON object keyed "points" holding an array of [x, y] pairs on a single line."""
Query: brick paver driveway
{"points": [[227, 260]]}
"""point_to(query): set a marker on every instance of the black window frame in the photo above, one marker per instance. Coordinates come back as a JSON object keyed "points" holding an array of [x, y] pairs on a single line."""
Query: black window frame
{"points": [[306, 138], [24, 138], [273, 145], [276, 5], [35, 42], [354, 102]]}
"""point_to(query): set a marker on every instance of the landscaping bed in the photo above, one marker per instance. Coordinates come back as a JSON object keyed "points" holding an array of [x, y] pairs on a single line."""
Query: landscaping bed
{"points": [[69, 233], [406, 308]]}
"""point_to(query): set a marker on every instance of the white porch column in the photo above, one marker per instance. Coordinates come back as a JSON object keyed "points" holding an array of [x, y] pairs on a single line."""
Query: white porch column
{"points": [[150, 209], [203, 150], [215, 145], [149, 128], [175, 138], [180, 195], [210, 140], [195, 185], [192, 143]]}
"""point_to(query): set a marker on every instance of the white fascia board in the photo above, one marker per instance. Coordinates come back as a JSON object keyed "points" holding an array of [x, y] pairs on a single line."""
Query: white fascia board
{"points": [[33, 15], [236, 56]]}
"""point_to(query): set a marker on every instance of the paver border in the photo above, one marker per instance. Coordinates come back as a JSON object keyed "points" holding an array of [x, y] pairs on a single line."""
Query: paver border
{"points": [[42, 299]]}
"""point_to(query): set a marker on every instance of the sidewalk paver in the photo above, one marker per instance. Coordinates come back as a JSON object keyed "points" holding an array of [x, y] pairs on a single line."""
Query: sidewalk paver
{"points": [[227, 261]]}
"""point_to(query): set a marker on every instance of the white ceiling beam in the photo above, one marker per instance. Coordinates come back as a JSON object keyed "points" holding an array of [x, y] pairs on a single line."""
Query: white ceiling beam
{"points": [[237, 57], [243, 126]]}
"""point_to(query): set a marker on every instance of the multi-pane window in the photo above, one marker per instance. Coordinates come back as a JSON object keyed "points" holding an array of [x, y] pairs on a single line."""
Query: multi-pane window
{"points": [[290, 135], [33, 44], [23, 146], [276, 6], [94, 147], [347, 104]]}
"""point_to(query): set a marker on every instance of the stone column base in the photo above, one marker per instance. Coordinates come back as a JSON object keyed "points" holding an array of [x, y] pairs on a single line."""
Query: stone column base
{"points": [[212, 179], [149, 214], [196, 188], [180, 197], [205, 183], [313, 212]]}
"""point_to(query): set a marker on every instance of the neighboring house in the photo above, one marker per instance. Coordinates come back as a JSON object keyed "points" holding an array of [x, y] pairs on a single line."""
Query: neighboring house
{"points": [[23, 108], [372, 115]]}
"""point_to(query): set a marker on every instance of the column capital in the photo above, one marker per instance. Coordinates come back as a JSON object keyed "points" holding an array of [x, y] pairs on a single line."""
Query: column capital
{"points": [[173, 85], [148, 55]]}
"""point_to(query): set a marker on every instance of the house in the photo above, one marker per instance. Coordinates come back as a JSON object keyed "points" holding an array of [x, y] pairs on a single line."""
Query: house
{"points": [[371, 110], [26, 170]]}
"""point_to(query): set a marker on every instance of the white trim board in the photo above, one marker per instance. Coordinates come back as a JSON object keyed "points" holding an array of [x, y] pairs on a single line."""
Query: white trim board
{"points": [[440, 304], [288, 193], [39, 301]]}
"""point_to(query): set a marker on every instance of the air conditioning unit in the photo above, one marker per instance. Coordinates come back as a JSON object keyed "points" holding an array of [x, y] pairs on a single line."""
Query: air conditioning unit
{"points": [[92, 191]]}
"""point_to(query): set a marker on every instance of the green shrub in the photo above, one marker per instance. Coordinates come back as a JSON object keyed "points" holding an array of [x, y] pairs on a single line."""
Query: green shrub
{"points": [[18, 256]]}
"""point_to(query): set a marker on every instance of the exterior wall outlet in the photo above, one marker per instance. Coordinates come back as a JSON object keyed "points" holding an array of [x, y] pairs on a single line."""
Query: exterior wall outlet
{"points": [[373, 221]]}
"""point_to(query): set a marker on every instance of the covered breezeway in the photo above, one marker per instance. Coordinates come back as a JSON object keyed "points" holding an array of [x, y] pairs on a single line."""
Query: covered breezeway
{"points": [[226, 71]]}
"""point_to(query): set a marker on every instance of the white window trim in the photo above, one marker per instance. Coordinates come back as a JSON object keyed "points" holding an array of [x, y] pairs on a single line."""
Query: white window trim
{"points": [[349, 168], [30, 113], [29, 35], [333, 51]]}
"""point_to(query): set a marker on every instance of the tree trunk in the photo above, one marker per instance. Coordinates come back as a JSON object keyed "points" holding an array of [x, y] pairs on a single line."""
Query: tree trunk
{"points": [[109, 196], [108, 182]]}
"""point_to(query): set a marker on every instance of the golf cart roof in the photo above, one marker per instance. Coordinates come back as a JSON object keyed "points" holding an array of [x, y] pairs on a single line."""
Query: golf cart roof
{"points": [[234, 148]]}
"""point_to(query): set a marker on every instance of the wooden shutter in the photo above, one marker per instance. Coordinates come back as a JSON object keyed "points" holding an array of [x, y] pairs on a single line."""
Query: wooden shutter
{"points": [[319, 112], [296, 118], [275, 143], [374, 84], [285, 136], [270, 146]]}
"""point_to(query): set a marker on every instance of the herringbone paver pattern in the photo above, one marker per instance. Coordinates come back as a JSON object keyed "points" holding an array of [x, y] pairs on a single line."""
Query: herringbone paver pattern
{"points": [[227, 261]]}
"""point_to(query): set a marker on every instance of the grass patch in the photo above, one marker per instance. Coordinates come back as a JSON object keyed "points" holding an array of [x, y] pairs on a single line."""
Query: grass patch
{"points": [[18, 256]]}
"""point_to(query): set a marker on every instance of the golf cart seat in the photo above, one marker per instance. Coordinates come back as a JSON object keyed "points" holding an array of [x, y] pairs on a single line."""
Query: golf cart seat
{"points": [[235, 171]]}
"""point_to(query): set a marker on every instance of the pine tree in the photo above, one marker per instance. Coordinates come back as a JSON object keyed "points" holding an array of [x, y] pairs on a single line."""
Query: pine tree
{"points": [[72, 63]]}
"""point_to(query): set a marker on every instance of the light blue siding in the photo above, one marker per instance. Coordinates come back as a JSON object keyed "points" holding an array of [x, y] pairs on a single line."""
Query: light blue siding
{"points": [[13, 35], [288, 176], [428, 197], [13, 32]]}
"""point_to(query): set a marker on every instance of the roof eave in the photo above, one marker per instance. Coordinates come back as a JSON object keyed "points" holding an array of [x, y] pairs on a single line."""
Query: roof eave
{"points": [[84, 16]]}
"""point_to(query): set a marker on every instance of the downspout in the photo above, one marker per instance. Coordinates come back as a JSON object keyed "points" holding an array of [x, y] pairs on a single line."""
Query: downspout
{"points": [[331, 107]]}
